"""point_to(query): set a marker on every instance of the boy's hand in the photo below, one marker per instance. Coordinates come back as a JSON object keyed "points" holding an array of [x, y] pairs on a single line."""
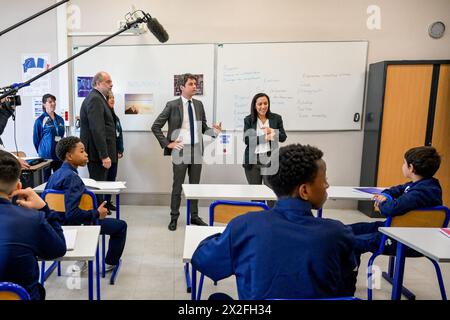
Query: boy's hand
{"points": [[379, 198], [28, 198], [102, 211]]}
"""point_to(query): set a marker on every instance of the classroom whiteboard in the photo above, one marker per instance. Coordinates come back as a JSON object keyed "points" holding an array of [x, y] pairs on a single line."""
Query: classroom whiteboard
{"points": [[145, 74], [314, 86]]}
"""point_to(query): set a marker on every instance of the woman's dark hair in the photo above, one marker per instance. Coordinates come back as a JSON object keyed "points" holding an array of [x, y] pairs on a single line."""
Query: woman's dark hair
{"points": [[425, 160], [66, 145], [45, 97], [253, 111], [297, 165]]}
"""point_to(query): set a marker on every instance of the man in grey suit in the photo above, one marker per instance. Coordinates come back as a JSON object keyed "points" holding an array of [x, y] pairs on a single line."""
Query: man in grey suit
{"points": [[98, 128], [184, 142]]}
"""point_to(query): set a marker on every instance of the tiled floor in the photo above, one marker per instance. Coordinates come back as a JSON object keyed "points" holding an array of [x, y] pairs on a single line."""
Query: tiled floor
{"points": [[152, 267]]}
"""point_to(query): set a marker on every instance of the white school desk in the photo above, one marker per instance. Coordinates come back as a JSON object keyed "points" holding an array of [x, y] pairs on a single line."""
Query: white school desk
{"points": [[192, 237], [40, 188], [246, 192], [428, 241], [86, 249]]}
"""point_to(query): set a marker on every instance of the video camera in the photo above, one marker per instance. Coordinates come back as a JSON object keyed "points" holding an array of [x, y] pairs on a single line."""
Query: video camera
{"points": [[11, 100]]}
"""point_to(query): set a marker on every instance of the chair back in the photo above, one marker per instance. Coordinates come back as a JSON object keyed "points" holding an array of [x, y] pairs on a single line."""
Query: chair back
{"points": [[55, 200], [12, 291], [223, 211], [435, 217]]}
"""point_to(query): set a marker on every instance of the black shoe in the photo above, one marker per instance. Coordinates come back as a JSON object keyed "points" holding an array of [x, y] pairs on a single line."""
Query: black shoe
{"points": [[110, 206], [198, 221], [173, 225]]}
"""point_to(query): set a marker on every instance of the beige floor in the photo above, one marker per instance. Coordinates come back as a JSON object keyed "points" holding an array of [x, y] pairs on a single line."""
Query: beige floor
{"points": [[152, 266]]}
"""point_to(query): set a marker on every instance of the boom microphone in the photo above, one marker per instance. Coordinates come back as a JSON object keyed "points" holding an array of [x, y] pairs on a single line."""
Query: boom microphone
{"points": [[157, 29]]}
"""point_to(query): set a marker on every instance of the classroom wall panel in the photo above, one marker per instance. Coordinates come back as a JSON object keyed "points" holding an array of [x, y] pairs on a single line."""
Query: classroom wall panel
{"points": [[406, 102], [441, 130]]}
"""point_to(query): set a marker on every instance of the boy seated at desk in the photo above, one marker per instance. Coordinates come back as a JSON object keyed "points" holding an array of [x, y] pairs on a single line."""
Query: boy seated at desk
{"points": [[419, 165], [71, 151], [285, 252], [27, 230]]}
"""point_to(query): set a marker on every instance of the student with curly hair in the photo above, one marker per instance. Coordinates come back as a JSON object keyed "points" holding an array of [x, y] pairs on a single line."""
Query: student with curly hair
{"points": [[285, 252]]}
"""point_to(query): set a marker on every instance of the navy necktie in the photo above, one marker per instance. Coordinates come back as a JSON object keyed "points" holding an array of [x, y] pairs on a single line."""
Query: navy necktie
{"points": [[191, 122]]}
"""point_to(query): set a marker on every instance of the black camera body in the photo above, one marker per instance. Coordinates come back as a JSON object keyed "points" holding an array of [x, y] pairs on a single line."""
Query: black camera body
{"points": [[11, 101]]}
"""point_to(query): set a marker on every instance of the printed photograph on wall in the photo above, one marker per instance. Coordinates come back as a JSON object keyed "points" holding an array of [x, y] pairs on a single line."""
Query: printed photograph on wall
{"points": [[84, 86], [178, 81], [139, 104]]}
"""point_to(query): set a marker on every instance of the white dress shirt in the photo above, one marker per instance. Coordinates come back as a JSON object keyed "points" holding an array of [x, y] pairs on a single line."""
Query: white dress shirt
{"points": [[185, 132], [262, 147]]}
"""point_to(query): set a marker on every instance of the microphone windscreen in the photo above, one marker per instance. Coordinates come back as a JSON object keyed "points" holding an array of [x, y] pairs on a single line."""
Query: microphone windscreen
{"points": [[157, 29]]}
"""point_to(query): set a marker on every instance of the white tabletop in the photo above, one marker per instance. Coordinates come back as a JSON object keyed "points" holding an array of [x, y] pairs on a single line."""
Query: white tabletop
{"points": [[193, 236], [85, 244], [260, 192], [228, 192], [40, 188], [428, 241], [347, 193]]}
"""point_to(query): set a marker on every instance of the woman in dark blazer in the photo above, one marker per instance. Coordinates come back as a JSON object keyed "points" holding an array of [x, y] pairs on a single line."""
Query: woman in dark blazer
{"points": [[263, 130], [112, 171]]}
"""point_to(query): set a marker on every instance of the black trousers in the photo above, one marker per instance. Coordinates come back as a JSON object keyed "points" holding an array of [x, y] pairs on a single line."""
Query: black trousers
{"points": [[54, 165], [111, 176], [97, 172], [117, 231], [189, 160], [254, 176]]}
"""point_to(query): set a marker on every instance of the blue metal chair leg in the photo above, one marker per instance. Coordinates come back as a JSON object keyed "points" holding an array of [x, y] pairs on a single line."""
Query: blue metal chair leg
{"points": [[439, 277], [97, 269], [103, 256], [59, 268], [188, 278], [42, 280], [115, 273], [200, 287]]}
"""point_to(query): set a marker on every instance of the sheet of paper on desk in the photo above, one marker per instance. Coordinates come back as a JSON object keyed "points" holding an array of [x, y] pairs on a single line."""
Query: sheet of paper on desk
{"points": [[369, 190], [71, 237], [111, 185], [93, 184]]}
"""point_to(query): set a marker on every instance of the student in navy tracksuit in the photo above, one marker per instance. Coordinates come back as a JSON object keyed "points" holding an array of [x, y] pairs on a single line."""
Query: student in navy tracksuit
{"points": [[419, 165], [25, 233], [71, 150], [48, 130], [285, 252]]}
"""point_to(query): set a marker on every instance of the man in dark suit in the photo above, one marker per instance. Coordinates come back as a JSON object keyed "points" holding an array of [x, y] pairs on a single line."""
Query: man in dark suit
{"points": [[98, 128], [184, 142]]}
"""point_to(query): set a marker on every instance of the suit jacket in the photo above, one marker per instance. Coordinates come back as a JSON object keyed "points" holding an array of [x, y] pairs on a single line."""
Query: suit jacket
{"points": [[98, 128], [173, 113], [275, 122]]}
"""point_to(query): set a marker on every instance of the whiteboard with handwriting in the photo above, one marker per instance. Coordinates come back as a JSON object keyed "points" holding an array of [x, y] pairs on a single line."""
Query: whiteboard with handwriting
{"points": [[314, 86]]}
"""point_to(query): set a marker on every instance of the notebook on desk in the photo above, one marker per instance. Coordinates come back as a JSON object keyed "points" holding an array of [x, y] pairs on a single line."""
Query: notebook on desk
{"points": [[369, 190], [34, 161], [71, 237]]}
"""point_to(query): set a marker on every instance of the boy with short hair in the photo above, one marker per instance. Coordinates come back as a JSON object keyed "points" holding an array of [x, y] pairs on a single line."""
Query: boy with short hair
{"points": [[419, 165], [285, 252], [71, 151], [25, 233]]}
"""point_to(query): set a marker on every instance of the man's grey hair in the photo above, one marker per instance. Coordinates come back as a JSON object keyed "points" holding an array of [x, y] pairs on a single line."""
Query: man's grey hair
{"points": [[99, 76]]}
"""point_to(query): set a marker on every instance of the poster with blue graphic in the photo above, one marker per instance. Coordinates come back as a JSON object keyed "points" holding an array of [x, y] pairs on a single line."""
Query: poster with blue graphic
{"points": [[84, 86], [31, 66]]}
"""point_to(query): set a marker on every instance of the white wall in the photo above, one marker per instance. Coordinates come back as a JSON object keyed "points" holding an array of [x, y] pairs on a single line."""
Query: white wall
{"points": [[36, 36], [403, 36]]}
